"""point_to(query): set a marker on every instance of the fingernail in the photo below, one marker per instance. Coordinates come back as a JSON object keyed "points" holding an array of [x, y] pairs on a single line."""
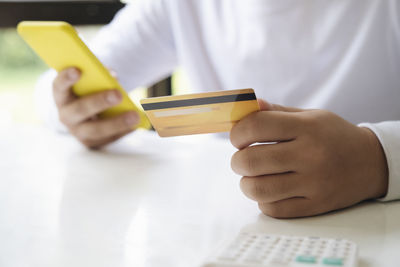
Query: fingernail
{"points": [[113, 97], [73, 74], [132, 119]]}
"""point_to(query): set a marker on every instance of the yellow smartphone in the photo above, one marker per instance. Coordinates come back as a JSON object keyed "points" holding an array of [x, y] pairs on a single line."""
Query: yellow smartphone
{"points": [[59, 45]]}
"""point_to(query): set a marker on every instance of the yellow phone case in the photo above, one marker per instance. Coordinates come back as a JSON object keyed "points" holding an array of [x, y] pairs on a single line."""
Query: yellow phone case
{"points": [[59, 45]]}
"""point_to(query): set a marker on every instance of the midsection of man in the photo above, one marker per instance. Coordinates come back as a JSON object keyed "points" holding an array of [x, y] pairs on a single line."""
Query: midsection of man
{"points": [[338, 55]]}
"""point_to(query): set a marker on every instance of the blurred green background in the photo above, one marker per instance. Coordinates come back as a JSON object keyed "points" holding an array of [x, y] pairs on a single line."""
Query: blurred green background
{"points": [[19, 69]]}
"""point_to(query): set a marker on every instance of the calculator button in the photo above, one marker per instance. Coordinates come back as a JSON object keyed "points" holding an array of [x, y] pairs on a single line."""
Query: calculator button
{"points": [[333, 261], [306, 259]]}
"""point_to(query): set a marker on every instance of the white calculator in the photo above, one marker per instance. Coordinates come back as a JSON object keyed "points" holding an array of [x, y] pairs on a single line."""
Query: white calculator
{"points": [[263, 250]]}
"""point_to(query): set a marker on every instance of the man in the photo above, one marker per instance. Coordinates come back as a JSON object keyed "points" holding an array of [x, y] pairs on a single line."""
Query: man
{"points": [[342, 56]]}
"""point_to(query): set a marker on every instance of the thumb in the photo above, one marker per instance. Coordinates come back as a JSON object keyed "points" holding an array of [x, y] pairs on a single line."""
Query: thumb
{"points": [[264, 106]]}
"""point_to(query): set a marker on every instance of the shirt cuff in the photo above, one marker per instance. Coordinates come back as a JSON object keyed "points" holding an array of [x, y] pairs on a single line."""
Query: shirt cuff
{"points": [[388, 133]]}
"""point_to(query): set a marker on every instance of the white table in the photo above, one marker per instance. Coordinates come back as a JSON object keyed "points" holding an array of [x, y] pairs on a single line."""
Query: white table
{"points": [[147, 201]]}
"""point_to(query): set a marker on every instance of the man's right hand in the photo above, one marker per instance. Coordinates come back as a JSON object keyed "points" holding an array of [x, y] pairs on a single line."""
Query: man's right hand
{"points": [[79, 114]]}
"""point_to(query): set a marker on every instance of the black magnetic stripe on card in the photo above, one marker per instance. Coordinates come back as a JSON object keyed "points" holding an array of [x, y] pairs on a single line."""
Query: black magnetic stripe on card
{"points": [[199, 101]]}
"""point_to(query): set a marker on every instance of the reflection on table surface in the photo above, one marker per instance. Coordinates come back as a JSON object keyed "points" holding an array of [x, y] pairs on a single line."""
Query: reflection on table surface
{"points": [[147, 201]]}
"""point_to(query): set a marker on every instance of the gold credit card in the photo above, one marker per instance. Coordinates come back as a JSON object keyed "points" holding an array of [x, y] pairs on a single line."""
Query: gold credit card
{"points": [[199, 113]]}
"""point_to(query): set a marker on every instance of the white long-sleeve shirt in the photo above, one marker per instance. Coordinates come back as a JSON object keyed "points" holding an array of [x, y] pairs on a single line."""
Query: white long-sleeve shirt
{"points": [[341, 55]]}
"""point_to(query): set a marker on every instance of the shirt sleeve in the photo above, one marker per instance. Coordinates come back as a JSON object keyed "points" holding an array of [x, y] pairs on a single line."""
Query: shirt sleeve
{"points": [[45, 105], [138, 44], [388, 134]]}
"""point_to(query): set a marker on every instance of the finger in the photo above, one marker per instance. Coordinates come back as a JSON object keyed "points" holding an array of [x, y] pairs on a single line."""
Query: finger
{"points": [[103, 129], [291, 208], [264, 105], [86, 107], [265, 126], [265, 159], [62, 86], [271, 188]]}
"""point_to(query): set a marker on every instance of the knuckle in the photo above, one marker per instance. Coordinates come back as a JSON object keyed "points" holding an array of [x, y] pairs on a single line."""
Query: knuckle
{"points": [[255, 189], [95, 131], [271, 209], [80, 107], [89, 144], [236, 135], [95, 104], [87, 132], [120, 124], [86, 142], [258, 190], [235, 163], [233, 136], [245, 130], [243, 162], [90, 105], [101, 100], [80, 134], [113, 126], [253, 125]]}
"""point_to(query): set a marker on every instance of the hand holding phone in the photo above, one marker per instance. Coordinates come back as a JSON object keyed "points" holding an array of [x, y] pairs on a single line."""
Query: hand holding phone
{"points": [[80, 114], [91, 102]]}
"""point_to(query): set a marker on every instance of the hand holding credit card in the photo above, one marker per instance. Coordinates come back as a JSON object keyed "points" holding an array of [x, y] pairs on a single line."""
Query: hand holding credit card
{"points": [[199, 113]]}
